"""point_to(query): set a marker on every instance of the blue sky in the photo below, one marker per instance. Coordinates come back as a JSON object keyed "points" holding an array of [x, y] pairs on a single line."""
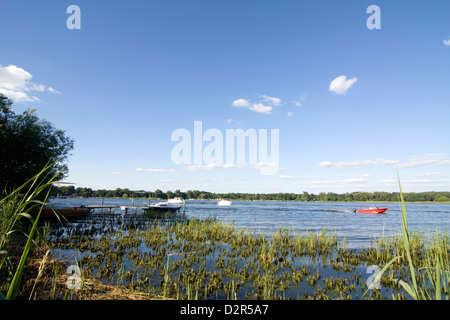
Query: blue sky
{"points": [[352, 104]]}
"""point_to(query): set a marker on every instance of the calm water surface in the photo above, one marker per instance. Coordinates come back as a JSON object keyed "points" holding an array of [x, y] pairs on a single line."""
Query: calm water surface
{"points": [[267, 216]]}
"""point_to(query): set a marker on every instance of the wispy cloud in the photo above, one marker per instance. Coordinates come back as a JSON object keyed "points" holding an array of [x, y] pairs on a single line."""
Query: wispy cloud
{"points": [[272, 100], [446, 42], [215, 166], [289, 177], [357, 182], [50, 89], [240, 103], [299, 102], [340, 84], [264, 105], [261, 108], [428, 159], [16, 84], [425, 181], [154, 170], [432, 174], [356, 164]]}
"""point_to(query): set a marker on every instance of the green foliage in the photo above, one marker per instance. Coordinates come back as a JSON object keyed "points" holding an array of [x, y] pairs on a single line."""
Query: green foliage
{"points": [[305, 196], [27, 143]]}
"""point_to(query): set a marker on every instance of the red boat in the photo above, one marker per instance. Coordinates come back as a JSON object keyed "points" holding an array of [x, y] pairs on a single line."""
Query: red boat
{"points": [[372, 210]]}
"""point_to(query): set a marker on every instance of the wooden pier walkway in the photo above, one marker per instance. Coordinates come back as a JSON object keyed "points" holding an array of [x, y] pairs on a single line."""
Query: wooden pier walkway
{"points": [[110, 207], [126, 208], [132, 207]]}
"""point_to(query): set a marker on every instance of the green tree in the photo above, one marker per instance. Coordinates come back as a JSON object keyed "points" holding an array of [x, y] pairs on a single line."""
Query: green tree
{"points": [[27, 144], [159, 194], [169, 194], [441, 198]]}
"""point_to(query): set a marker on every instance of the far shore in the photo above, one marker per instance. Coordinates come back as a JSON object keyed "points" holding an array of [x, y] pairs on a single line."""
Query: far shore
{"points": [[262, 200]]}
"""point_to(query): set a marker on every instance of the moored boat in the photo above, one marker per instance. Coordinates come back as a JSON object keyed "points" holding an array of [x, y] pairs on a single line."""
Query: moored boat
{"points": [[175, 200], [50, 211], [224, 203], [372, 210], [162, 207]]}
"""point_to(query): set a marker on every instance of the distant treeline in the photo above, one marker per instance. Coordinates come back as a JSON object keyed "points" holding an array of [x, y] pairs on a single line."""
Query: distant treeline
{"points": [[305, 196]]}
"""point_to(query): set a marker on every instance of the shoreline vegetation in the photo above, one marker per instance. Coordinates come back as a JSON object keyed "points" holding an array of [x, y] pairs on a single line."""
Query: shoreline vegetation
{"points": [[379, 196], [181, 258]]}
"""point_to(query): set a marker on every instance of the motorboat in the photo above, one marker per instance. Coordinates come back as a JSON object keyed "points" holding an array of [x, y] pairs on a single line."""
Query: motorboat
{"points": [[54, 210], [175, 200], [372, 210], [224, 203]]}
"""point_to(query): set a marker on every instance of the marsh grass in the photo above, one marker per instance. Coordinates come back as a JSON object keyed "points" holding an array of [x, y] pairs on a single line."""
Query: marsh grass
{"points": [[203, 258], [210, 259]]}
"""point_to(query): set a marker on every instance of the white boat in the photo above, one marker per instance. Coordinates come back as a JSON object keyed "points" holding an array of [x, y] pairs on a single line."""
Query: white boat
{"points": [[163, 206], [224, 203], [175, 200]]}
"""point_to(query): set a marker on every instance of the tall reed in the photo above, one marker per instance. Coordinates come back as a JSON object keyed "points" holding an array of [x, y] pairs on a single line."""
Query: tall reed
{"points": [[16, 209], [437, 259]]}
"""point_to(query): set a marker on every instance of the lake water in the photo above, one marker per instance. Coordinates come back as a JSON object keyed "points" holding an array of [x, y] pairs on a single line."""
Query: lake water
{"points": [[269, 216]]}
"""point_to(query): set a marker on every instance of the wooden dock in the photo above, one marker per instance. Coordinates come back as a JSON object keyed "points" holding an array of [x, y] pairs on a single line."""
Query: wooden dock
{"points": [[132, 207], [126, 208], [110, 207]]}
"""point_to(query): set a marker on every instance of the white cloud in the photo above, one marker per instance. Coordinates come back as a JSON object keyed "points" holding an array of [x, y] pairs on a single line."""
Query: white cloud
{"points": [[50, 89], [299, 102], [16, 84], [154, 170], [272, 100], [355, 164], [261, 108], [429, 159], [419, 181], [215, 166], [432, 174], [212, 166], [240, 103], [446, 42], [353, 180], [289, 177], [327, 182], [340, 84], [264, 105], [347, 164]]}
